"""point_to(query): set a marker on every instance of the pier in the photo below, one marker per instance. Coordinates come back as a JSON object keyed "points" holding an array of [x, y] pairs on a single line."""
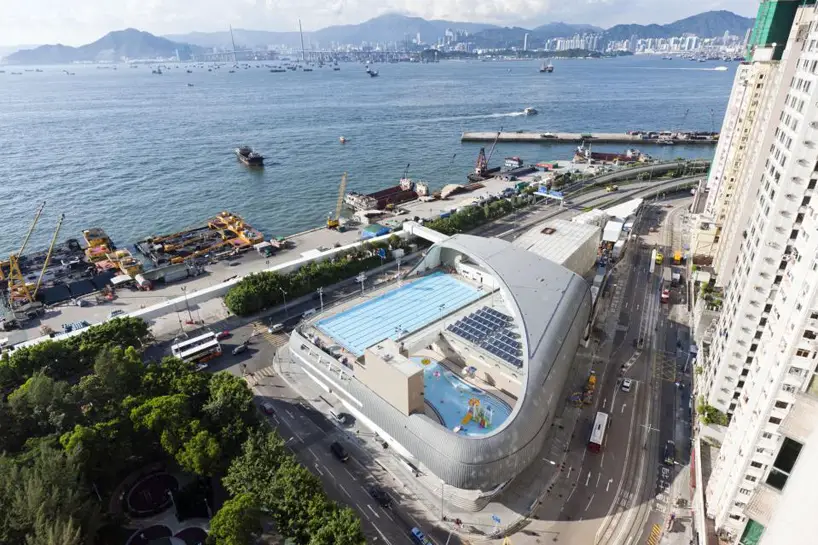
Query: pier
{"points": [[596, 137]]}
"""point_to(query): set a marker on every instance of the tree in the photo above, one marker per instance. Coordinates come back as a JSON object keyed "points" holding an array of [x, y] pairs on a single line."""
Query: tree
{"points": [[340, 527], [51, 531], [254, 471], [166, 416], [229, 410], [42, 405], [119, 370], [236, 523], [201, 454]]}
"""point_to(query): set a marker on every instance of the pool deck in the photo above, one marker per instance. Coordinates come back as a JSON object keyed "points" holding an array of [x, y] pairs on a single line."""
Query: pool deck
{"points": [[457, 369]]}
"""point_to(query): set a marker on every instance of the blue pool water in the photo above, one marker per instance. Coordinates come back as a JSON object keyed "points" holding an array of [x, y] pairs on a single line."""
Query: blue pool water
{"points": [[450, 396], [398, 312]]}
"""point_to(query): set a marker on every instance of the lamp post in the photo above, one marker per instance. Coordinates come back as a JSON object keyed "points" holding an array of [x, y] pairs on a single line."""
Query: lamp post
{"points": [[189, 315], [284, 295], [361, 278], [321, 297], [399, 279]]}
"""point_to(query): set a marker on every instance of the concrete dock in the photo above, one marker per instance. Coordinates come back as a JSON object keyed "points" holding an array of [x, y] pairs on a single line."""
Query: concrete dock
{"points": [[577, 138]]}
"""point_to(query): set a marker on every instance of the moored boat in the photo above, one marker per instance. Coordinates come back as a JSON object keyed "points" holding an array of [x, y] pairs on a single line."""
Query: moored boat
{"points": [[249, 157]]}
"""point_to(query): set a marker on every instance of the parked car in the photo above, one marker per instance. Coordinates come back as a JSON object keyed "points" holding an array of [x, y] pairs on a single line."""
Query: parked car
{"points": [[275, 328], [339, 451], [223, 335], [669, 457]]}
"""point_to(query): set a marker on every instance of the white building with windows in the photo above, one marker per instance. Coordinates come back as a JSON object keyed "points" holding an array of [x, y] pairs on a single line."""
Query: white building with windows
{"points": [[759, 368]]}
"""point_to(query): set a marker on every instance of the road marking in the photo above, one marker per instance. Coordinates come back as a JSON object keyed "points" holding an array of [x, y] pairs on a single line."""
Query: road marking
{"points": [[364, 512], [291, 415], [655, 532], [417, 524], [345, 490], [602, 462], [313, 453], [607, 486], [604, 401], [387, 514], [597, 479], [588, 480], [350, 474], [319, 470], [328, 472], [373, 511], [296, 435], [623, 409], [589, 502], [383, 536]]}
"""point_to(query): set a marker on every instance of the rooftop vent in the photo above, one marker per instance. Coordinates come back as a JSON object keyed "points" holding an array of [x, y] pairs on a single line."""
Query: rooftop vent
{"points": [[549, 231]]}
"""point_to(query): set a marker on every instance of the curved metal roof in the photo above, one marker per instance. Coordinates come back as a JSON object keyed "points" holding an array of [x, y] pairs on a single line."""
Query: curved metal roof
{"points": [[551, 306]]}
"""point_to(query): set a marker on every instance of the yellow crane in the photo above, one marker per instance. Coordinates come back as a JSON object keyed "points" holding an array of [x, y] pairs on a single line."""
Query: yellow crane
{"points": [[47, 257], [5, 267], [334, 221]]}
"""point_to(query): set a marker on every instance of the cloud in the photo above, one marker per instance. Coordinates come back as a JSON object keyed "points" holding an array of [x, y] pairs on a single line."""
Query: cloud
{"points": [[75, 22]]}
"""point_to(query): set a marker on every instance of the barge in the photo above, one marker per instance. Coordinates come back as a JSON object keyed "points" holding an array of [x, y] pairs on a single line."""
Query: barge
{"points": [[249, 157], [407, 190], [585, 155], [225, 232]]}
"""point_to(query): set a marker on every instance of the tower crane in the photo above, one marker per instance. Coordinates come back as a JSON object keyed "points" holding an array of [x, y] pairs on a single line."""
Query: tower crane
{"points": [[334, 220]]}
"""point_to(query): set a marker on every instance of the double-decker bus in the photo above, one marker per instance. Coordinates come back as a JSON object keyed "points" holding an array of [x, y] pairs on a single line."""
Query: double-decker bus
{"points": [[598, 432], [198, 349]]}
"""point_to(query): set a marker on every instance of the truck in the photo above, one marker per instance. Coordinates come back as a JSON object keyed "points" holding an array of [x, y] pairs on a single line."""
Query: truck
{"points": [[667, 277], [659, 258], [677, 258], [676, 277]]}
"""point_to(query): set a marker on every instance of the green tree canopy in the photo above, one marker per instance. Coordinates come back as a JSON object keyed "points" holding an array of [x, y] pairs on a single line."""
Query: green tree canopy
{"points": [[236, 523]]}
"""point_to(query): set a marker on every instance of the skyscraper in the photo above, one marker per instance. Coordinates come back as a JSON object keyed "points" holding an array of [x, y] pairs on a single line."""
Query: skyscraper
{"points": [[760, 227]]}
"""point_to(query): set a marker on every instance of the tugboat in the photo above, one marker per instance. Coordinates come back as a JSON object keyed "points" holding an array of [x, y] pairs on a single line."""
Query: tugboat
{"points": [[249, 157]]}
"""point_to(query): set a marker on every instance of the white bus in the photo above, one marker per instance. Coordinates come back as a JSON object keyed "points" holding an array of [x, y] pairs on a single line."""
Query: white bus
{"points": [[198, 349], [597, 440]]}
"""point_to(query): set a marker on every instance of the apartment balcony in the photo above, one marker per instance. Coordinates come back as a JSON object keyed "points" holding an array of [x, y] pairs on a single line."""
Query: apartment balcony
{"points": [[762, 504], [801, 420]]}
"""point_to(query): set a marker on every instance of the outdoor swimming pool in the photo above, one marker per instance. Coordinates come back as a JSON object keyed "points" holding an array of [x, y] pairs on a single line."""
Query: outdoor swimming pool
{"points": [[399, 311], [459, 403]]}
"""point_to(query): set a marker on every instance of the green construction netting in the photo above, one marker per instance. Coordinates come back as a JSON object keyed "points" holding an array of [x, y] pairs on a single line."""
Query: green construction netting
{"points": [[773, 24], [752, 533]]}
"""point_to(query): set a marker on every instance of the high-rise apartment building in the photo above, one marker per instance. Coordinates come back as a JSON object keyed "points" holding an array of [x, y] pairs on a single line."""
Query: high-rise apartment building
{"points": [[760, 228]]}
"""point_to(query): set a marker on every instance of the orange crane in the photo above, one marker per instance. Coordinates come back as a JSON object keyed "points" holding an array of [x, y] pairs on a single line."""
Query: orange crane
{"points": [[5, 266]]}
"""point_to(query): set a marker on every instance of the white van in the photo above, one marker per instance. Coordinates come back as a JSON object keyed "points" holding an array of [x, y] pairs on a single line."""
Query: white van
{"points": [[308, 313]]}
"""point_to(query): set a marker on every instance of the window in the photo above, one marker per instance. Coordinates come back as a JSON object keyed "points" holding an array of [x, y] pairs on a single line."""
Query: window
{"points": [[784, 463], [761, 450], [809, 334], [740, 504], [757, 465], [801, 353], [745, 491], [751, 478], [781, 404], [774, 420], [767, 435], [735, 517]]}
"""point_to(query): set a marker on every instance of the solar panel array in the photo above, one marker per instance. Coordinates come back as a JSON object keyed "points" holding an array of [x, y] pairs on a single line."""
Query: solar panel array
{"points": [[492, 331]]}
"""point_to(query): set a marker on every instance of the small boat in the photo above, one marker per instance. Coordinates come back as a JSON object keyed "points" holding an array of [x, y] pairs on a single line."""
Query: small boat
{"points": [[548, 68], [720, 69], [373, 73], [665, 142], [249, 157], [307, 69], [277, 70], [336, 68], [157, 71], [190, 85], [343, 140], [530, 111]]}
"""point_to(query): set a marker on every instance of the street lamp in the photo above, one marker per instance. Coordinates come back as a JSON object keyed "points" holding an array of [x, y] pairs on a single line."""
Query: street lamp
{"points": [[321, 296], [189, 315], [284, 295], [361, 278]]}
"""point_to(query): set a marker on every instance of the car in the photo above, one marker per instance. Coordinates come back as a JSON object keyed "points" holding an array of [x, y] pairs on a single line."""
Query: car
{"points": [[309, 313], [267, 408], [669, 457], [339, 451], [240, 348], [378, 439], [115, 313], [380, 496], [233, 264], [275, 328], [223, 335], [626, 385]]}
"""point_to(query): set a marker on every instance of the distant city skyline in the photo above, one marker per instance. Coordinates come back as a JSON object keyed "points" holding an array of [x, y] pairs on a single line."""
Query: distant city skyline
{"points": [[77, 22]]}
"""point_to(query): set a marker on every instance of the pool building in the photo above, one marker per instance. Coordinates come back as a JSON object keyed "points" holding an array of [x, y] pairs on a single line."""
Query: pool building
{"points": [[461, 365]]}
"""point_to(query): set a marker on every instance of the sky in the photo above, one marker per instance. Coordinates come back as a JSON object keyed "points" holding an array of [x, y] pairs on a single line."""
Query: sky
{"points": [[76, 22]]}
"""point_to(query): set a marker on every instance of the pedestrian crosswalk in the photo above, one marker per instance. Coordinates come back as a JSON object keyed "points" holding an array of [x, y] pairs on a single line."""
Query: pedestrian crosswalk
{"points": [[276, 339], [655, 534]]}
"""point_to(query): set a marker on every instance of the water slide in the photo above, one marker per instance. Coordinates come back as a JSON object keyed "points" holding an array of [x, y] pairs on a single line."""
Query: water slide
{"points": [[466, 419]]}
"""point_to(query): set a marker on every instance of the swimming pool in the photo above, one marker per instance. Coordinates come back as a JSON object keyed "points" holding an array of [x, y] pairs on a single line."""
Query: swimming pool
{"points": [[459, 403], [399, 311]]}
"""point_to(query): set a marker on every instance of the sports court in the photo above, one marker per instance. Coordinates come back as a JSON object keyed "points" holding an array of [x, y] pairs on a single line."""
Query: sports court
{"points": [[398, 312]]}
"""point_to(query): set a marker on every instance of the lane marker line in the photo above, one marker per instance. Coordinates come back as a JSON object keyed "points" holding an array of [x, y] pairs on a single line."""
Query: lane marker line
{"points": [[588, 480], [373, 511], [313, 453], [589, 502], [350, 474], [319, 470], [345, 491]]}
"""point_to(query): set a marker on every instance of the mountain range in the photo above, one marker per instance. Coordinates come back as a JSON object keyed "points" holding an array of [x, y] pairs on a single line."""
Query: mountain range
{"points": [[113, 47], [397, 28], [135, 44]]}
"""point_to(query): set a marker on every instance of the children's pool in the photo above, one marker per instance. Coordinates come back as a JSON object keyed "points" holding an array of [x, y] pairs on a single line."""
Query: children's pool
{"points": [[460, 404]]}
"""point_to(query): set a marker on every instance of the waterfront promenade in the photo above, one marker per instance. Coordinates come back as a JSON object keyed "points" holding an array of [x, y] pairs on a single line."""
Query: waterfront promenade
{"points": [[570, 137]]}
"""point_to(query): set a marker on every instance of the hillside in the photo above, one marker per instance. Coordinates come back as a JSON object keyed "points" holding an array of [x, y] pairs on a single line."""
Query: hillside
{"points": [[706, 25], [114, 46]]}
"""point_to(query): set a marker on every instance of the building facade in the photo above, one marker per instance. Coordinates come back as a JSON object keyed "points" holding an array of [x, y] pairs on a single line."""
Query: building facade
{"points": [[759, 369]]}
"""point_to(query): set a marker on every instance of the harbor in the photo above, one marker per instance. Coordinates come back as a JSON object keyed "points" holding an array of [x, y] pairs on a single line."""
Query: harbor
{"points": [[633, 137]]}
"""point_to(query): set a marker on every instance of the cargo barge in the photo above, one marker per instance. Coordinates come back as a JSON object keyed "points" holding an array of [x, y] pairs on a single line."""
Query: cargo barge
{"points": [[407, 190], [224, 233], [585, 155]]}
